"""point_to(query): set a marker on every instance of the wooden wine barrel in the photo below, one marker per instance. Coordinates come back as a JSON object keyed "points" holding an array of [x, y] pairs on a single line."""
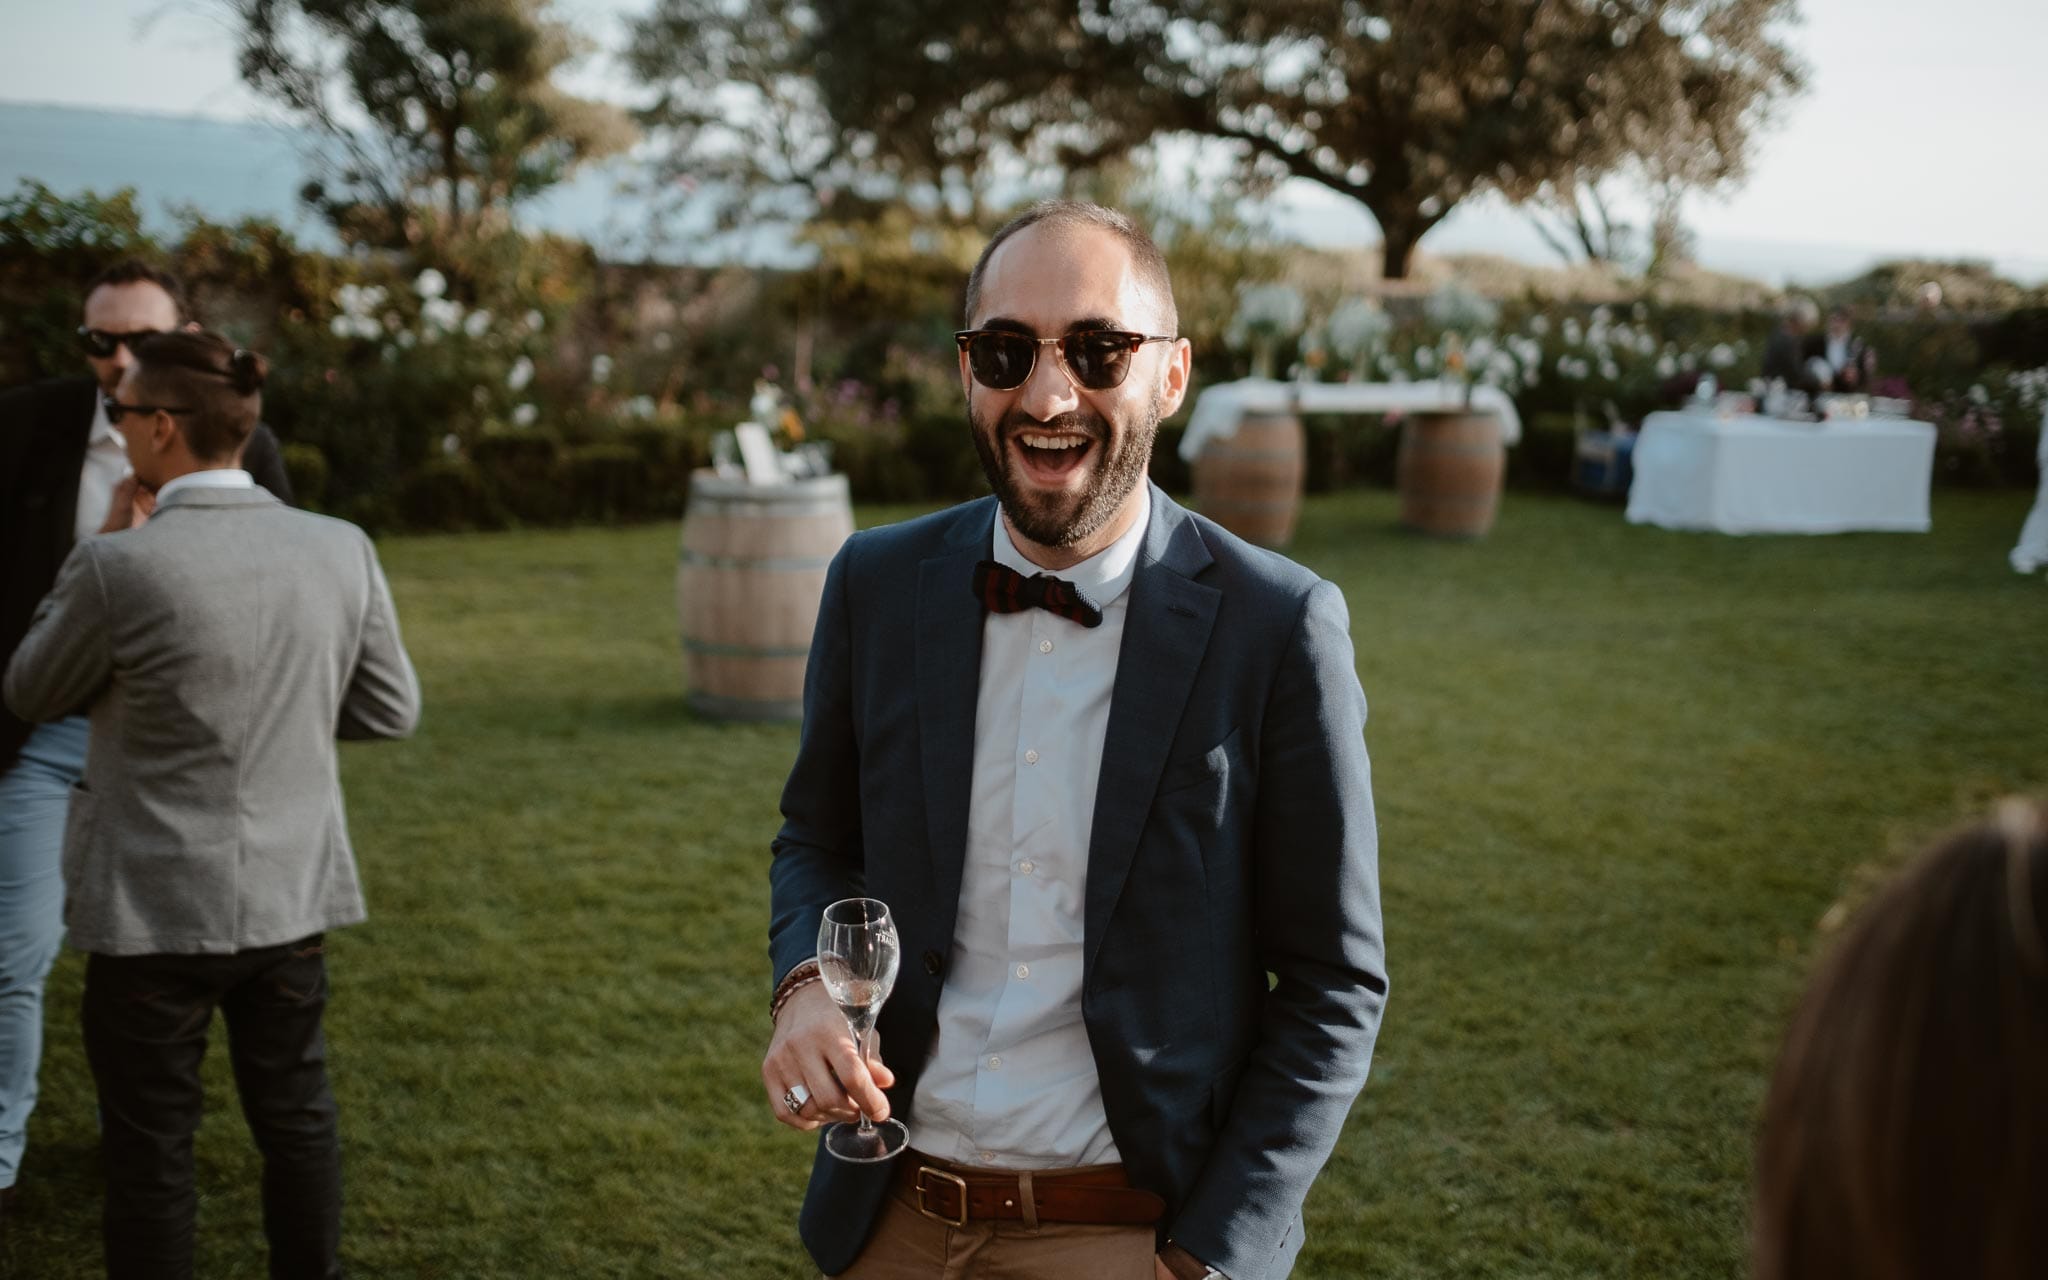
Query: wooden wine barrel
{"points": [[1250, 482], [1449, 472], [747, 588]]}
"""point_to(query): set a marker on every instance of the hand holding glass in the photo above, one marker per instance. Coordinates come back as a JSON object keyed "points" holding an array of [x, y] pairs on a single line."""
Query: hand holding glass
{"points": [[858, 952]]}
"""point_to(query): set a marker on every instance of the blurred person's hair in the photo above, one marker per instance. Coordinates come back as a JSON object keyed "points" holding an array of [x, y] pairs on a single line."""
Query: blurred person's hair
{"points": [[1906, 1130], [1146, 258], [136, 271], [219, 385]]}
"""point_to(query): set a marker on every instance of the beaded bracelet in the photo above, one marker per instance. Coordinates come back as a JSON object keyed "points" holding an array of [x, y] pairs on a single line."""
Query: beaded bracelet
{"points": [[794, 981]]}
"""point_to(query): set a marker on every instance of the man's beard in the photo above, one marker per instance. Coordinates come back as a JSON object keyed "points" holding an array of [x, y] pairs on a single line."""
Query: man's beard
{"points": [[1062, 520]]}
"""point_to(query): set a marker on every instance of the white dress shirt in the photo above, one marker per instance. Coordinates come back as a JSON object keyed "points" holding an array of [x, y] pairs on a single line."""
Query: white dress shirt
{"points": [[106, 465], [219, 478], [1011, 1081]]}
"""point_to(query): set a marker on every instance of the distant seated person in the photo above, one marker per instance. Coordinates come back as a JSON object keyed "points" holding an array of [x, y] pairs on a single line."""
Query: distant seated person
{"points": [[1785, 354], [1906, 1130], [1841, 361]]}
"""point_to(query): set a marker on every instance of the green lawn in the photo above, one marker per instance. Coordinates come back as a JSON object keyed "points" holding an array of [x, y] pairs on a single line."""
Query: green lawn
{"points": [[1622, 773]]}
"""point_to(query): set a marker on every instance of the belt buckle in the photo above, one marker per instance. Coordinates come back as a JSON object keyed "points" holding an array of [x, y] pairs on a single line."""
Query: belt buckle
{"points": [[922, 1190]]}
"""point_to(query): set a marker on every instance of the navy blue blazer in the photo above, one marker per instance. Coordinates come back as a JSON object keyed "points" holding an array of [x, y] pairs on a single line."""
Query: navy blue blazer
{"points": [[1234, 972]]}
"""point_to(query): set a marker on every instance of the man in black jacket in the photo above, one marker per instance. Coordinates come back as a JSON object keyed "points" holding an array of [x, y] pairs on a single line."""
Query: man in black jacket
{"points": [[64, 476]]}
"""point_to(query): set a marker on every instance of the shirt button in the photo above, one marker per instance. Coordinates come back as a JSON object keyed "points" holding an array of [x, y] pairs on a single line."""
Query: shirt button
{"points": [[1023, 971], [1031, 757], [995, 1062], [988, 1157], [1027, 866], [1045, 646]]}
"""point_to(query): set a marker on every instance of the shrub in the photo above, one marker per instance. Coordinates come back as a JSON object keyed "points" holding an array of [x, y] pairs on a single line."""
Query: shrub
{"points": [[606, 482], [448, 494], [306, 468]]}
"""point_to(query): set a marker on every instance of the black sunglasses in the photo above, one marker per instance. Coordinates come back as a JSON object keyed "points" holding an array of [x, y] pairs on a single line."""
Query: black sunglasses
{"points": [[117, 411], [104, 343], [1098, 359]]}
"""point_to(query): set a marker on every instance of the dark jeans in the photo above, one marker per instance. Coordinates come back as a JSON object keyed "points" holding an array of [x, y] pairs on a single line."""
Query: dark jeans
{"points": [[146, 1019]]}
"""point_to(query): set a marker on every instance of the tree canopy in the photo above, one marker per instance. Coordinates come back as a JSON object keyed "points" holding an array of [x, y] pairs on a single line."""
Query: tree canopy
{"points": [[445, 110], [1407, 106]]}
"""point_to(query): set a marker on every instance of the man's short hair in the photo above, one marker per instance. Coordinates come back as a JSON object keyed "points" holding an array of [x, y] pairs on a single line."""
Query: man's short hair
{"points": [[1146, 259], [136, 271], [219, 386]]}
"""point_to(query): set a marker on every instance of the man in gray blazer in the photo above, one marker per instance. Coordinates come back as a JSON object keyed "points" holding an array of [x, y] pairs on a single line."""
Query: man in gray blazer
{"points": [[220, 649], [1122, 815]]}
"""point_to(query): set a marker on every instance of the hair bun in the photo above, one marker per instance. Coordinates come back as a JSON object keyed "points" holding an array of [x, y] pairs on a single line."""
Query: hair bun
{"points": [[247, 371]]}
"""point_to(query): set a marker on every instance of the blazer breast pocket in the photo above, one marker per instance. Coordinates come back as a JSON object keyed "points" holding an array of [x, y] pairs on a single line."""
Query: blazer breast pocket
{"points": [[1187, 772]]}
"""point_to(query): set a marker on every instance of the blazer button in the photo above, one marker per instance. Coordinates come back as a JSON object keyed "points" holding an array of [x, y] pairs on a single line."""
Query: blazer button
{"points": [[932, 963]]}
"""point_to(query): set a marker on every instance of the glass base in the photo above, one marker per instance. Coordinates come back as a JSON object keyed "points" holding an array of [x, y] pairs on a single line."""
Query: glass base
{"points": [[884, 1141]]}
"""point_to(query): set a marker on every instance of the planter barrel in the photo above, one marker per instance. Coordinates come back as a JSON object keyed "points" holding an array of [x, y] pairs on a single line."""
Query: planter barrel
{"points": [[751, 573], [1250, 482], [1449, 472]]}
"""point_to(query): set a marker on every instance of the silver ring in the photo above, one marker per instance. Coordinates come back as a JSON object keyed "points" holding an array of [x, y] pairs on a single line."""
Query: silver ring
{"points": [[795, 1097]]}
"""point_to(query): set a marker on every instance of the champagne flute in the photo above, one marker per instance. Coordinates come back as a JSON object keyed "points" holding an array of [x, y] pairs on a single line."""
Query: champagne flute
{"points": [[858, 952]]}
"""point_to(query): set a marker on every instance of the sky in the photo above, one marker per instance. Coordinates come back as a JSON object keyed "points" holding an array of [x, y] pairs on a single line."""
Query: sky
{"points": [[1924, 128]]}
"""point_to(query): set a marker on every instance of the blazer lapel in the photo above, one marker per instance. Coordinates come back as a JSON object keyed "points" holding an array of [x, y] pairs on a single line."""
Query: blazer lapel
{"points": [[948, 668], [80, 398], [1166, 632]]}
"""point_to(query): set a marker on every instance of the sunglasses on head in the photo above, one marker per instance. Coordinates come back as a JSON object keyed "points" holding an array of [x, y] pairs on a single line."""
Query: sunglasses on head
{"points": [[103, 343], [117, 411], [1097, 359]]}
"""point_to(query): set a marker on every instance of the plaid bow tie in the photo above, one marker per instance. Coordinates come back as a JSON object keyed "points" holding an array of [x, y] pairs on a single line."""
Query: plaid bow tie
{"points": [[1002, 589]]}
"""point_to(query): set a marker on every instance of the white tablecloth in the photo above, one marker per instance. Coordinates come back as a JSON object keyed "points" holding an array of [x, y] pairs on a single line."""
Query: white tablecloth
{"points": [[1219, 408], [2031, 552], [1760, 475]]}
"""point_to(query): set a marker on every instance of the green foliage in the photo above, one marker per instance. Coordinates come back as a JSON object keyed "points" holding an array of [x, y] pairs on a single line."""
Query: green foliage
{"points": [[50, 246], [306, 467], [1621, 774]]}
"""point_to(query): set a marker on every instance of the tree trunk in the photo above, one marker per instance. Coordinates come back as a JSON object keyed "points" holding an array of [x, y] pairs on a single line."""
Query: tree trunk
{"points": [[1397, 247]]}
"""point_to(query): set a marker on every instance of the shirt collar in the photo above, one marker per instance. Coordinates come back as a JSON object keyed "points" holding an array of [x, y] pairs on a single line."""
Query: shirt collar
{"points": [[1104, 576], [103, 432], [219, 478]]}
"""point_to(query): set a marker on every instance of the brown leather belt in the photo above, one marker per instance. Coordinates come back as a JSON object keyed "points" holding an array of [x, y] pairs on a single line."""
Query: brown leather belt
{"points": [[959, 1194]]}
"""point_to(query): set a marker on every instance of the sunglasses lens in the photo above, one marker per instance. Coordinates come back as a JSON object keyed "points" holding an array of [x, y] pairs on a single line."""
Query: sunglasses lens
{"points": [[1001, 361], [1100, 361], [97, 343]]}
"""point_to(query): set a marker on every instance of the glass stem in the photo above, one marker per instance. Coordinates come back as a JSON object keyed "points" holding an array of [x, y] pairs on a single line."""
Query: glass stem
{"points": [[867, 1126]]}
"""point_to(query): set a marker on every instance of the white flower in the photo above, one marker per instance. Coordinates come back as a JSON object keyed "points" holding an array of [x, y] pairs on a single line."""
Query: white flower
{"points": [[430, 283], [535, 321], [1266, 312], [663, 341], [1721, 356], [525, 415], [1457, 308], [1570, 331], [451, 444], [1356, 327], [1646, 343], [478, 323], [1527, 350], [1978, 395], [520, 374], [342, 326], [1539, 324], [1623, 336], [1688, 362], [1603, 316], [405, 339], [441, 315], [1481, 350], [640, 407], [1425, 357], [600, 368], [1667, 365], [1609, 371]]}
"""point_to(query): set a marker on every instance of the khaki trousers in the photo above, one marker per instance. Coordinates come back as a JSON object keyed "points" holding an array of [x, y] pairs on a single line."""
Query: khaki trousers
{"points": [[906, 1245]]}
